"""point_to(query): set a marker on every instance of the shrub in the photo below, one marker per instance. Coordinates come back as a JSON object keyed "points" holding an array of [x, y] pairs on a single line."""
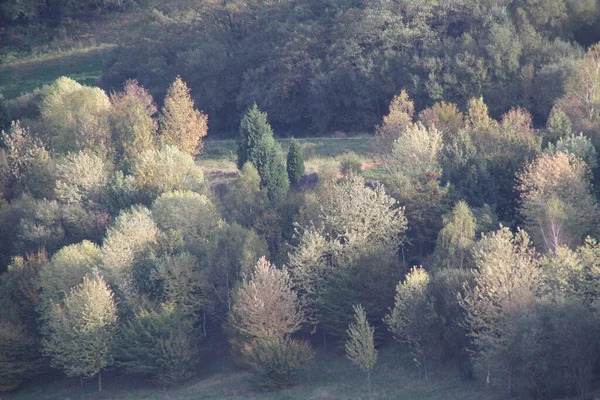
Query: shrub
{"points": [[350, 164]]}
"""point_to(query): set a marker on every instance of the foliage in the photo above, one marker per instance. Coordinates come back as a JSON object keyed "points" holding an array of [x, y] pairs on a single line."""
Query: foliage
{"points": [[556, 200], [19, 356], [184, 283], [132, 235], [265, 313], [75, 116], [457, 237], [277, 359], [506, 281], [360, 346], [133, 129], [257, 145], [67, 268], [413, 319], [158, 171], [82, 179], [350, 164], [160, 342], [295, 162], [180, 124], [82, 329]]}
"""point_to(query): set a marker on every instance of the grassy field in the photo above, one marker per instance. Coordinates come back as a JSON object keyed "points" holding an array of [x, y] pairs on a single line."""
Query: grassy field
{"points": [[84, 66], [219, 156], [330, 377]]}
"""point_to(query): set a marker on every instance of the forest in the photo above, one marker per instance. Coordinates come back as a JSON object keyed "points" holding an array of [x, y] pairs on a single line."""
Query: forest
{"points": [[463, 242]]}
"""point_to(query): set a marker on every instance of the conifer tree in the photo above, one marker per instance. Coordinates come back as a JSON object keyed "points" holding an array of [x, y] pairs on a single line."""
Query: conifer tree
{"points": [[257, 145], [4, 115], [181, 125], [82, 330], [295, 162], [360, 346]]}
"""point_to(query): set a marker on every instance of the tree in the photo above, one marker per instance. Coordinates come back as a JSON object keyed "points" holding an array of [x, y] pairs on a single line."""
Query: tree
{"points": [[82, 179], [295, 162], [76, 117], [130, 240], [23, 149], [257, 145], [556, 201], [457, 236], [181, 125], [506, 281], [559, 126], [190, 213], [67, 268], [159, 342], [82, 330], [4, 115], [360, 346], [132, 124], [399, 118], [413, 175], [266, 312], [413, 319], [158, 171]]}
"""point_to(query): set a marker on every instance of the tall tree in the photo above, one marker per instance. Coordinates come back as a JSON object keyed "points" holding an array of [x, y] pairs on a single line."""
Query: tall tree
{"points": [[132, 122], [360, 346], [82, 330], [181, 125], [413, 319], [257, 145], [295, 162], [457, 236], [506, 282]]}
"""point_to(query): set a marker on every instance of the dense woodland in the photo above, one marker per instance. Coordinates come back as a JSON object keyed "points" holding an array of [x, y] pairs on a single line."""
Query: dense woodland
{"points": [[475, 248]]}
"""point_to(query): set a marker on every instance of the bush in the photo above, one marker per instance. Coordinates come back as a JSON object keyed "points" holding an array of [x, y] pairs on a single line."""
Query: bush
{"points": [[276, 359], [350, 164], [20, 359], [159, 343]]}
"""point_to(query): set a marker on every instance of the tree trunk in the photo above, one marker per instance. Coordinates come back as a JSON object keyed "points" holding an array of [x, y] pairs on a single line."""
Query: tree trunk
{"points": [[99, 381], [369, 382]]}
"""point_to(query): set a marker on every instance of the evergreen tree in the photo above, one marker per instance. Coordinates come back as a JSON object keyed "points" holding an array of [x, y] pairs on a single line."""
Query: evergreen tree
{"points": [[295, 162], [360, 346], [4, 115], [181, 125], [257, 145], [82, 330]]}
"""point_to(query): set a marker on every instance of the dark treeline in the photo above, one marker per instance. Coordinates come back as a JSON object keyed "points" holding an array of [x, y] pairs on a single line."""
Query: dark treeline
{"points": [[321, 66]]}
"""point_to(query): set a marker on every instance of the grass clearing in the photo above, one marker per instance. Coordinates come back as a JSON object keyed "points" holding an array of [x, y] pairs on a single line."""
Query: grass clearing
{"points": [[330, 377], [219, 157], [84, 66]]}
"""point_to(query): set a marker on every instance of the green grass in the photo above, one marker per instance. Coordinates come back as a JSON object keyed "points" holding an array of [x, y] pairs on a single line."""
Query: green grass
{"points": [[329, 377], [84, 65], [219, 157]]}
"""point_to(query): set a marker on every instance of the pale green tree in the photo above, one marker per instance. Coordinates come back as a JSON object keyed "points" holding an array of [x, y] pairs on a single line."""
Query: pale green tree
{"points": [[181, 125], [66, 269], [158, 171], [507, 280], [457, 236], [413, 318], [82, 330], [82, 179], [133, 234], [556, 200], [75, 116], [266, 312], [133, 127], [360, 346]]}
